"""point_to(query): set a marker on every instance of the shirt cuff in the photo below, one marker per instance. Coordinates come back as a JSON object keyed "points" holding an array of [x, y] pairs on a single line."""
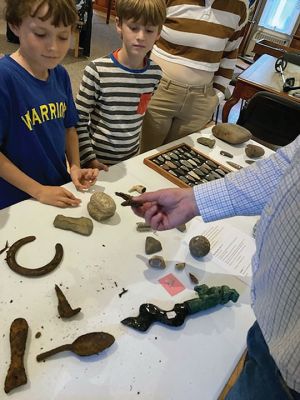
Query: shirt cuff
{"points": [[213, 200]]}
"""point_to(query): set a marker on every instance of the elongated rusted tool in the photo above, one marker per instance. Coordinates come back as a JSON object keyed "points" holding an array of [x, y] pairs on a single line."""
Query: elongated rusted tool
{"points": [[16, 375], [85, 345], [128, 200]]}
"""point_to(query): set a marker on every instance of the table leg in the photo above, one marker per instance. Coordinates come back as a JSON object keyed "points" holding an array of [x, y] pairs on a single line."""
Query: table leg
{"points": [[109, 5], [76, 43]]}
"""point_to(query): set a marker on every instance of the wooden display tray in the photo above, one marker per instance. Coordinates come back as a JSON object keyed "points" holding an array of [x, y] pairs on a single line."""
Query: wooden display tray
{"points": [[187, 149]]}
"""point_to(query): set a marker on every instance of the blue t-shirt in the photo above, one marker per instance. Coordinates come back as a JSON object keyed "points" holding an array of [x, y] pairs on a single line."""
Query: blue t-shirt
{"points": [[34, 115]]}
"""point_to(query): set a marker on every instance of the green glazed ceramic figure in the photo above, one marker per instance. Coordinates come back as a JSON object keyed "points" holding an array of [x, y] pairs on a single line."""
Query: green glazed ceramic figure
{"points": [[208, 297]]}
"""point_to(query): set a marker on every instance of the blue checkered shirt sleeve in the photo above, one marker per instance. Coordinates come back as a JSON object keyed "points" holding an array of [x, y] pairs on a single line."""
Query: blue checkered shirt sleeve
{"points": [[270, 188]]}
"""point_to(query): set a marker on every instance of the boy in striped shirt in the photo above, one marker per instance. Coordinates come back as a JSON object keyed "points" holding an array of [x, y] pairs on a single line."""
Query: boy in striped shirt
{"points": [[115, 89]]}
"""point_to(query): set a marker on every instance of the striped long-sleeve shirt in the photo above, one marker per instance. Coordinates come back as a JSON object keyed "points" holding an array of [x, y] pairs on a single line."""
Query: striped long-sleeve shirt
{"points": [[111, 103], [270, 187], [204, 35]]}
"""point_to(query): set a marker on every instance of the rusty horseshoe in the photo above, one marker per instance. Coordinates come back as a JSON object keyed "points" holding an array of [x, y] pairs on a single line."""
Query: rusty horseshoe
{"points": [[12, 263]]}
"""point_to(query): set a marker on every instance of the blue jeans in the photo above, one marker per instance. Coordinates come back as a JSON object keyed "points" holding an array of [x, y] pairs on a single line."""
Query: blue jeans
{"points": [[260, 378]]}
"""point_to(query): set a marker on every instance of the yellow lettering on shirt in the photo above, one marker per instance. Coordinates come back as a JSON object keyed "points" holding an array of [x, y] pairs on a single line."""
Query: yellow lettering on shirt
{"points": [[44, 113], [27, 120], [52, 110], [35, 117]]}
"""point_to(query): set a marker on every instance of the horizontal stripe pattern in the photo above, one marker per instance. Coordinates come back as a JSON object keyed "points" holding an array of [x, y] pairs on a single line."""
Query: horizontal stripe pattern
{"points": [[204, 37], [107, 102]]}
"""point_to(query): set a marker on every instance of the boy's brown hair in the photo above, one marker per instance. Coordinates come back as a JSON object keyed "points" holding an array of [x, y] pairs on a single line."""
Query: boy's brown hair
{"points": [[150, 12], [60, 11]]}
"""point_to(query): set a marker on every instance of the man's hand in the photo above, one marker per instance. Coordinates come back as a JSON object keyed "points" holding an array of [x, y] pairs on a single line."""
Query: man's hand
{"points": [[167, 208]]}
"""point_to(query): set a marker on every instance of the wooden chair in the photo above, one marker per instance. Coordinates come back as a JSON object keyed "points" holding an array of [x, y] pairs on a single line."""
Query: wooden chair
{"points": [[110, 6], [273, 120]]}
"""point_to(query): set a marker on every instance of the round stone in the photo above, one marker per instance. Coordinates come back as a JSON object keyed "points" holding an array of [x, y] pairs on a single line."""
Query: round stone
{"points": [[101, 206], [199, 246]]}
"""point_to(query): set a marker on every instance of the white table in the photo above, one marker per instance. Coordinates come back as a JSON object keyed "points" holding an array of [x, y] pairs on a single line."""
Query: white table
{"points": [[192, 361]]}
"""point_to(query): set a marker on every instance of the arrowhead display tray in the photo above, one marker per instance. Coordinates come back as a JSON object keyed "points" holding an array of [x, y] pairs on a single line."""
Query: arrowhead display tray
{"points": [[185, 166]]}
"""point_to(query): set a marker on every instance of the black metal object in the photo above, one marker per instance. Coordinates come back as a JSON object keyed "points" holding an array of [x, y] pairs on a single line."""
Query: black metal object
{"points": [[281, 64]]}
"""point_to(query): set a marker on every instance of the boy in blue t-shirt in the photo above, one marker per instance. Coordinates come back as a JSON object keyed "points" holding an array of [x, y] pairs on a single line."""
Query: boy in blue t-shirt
{"points": [[37, 112]]}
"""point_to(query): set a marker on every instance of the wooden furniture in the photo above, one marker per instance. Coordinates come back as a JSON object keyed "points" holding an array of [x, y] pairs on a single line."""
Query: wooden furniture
{"points": [[295, 43], [273, 49], [111, 5], [271, 118], [260, 76], [181, 178], [105, 6], [101, 5]]}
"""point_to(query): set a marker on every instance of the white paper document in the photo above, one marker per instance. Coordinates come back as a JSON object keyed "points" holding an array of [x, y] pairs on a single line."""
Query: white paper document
{"points": [[231, 248]]}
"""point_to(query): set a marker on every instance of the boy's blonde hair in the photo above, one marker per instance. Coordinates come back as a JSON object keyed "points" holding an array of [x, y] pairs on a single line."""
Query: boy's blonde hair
{"points": [[60, 11], [150, 12]]}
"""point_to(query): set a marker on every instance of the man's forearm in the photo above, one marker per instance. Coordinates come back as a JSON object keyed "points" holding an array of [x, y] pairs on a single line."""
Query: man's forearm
{"points": [[247, 191]]}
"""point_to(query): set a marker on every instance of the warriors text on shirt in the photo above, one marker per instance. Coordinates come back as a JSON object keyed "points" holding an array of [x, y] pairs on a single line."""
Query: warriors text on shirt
{"points": [[44, 112]]}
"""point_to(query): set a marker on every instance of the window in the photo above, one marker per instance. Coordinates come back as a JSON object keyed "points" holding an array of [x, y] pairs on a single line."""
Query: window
{"points": [[280, 15]]}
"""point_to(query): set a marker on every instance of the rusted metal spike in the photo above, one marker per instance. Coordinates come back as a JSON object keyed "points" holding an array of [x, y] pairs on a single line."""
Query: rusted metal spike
{"points": [[64, 308]]}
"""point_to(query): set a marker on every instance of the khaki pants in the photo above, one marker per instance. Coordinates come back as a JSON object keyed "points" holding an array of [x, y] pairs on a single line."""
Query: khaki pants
{"points": [[176, 110]]}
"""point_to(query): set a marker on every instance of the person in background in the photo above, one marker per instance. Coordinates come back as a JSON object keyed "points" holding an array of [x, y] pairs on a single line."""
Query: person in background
{"points": [[269, 188], [85, 15], [197, 52], [115, 89], [37, 112]]}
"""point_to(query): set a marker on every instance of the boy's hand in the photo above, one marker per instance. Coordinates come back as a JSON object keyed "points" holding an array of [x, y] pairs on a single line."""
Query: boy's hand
{"points": [[57, 196], [97, 164], [83, 178]]}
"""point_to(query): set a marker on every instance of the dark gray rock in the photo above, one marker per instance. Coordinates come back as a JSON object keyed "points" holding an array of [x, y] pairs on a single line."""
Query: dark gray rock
{"points": [[152, 245]]}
